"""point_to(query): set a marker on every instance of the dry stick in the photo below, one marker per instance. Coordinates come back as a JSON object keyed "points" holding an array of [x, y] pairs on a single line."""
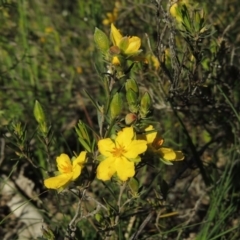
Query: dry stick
{"points": [[197, 204], [194, 210], [196, 156], [89, 120], [30, 160], [130, 226], [192, 160], [122, 188], [160, 37], [233, 23], [76, 218], [174, 81], [2, 155], [192, 146], [148, 218]]}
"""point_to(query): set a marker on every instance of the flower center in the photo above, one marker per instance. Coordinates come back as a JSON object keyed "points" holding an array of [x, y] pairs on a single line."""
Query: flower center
{"points": [[118, 151], [66, 168]]}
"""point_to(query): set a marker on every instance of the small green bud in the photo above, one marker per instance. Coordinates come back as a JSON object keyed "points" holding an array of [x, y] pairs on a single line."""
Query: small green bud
{"points": [[40, 117], [132, 99], [116, 105], [132, 84], [130, 118], [83, 131], [19, 131], [101, 40], [38, 113], [145, 105], [83, 136], [133, 184], [98, 217]]}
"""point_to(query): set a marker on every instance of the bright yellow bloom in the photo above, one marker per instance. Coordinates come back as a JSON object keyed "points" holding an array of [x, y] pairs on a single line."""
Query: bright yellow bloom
{"points": [[68, 171], [127, 45], [120, 155], [155, 142]]}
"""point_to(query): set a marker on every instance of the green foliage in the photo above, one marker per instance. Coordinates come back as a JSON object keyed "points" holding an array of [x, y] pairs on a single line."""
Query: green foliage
{"points": [[60, 92]]}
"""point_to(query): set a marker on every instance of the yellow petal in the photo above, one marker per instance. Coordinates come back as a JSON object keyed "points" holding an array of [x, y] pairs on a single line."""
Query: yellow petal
{"points": [[106, 22], [80, 159], [58, 181], [124, 137], [78, 165], [125, 169], [64, 163], [150, 136], [133, 46], [77, 169], [115, 61], [167, 153], [115, 35], [135, 148], [155, 62], [106, 146], [106, 169]]}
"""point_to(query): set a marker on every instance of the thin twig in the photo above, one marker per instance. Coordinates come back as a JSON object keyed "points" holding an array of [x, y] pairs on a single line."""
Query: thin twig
{"points": [[142, 226], [2, 155], [76, 218]]}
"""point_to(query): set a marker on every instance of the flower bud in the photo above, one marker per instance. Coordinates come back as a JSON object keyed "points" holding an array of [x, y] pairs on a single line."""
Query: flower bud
{"points": [[145, 105], [132, 99], [133, 184], [130, 118], [101, 40], [116, 105], [114, 50], [40, 118], [116, 61], [38, 113], [98, 217], [131, 84], [83, 136]]}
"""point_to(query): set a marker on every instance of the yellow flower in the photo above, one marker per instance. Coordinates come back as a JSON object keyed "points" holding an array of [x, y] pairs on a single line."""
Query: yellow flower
{"points": [[49, 30], [127, 45], [68, 171], [112, 17], [79, 70], [155, 142], [153, 60], [120, 155]]}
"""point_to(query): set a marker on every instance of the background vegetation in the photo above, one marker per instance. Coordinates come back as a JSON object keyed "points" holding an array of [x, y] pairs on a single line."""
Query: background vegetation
{"points": [[47, 53]]}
